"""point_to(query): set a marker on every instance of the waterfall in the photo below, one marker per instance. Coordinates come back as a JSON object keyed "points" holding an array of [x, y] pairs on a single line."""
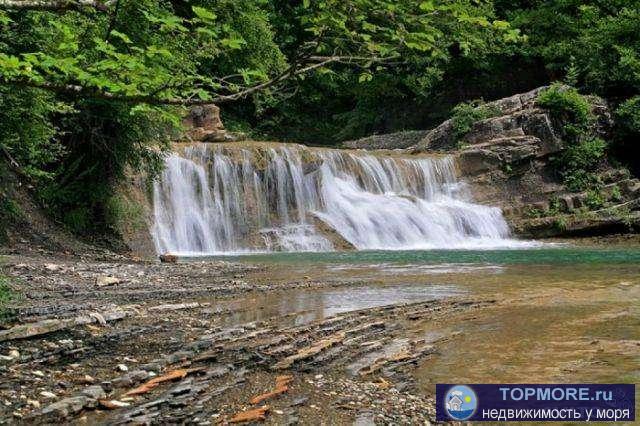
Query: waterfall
{"points": [[270, 197]]}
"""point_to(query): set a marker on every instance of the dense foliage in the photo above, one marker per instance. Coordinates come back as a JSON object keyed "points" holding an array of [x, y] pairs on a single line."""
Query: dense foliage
{"points": [[89, 89], [584, 151], [92, 88]]}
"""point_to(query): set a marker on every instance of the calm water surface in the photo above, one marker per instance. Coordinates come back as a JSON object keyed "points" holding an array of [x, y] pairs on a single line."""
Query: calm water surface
{"points": [[564, 314]]}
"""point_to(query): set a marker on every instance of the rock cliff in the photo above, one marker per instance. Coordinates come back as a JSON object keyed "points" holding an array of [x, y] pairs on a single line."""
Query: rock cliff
{"points": [[508, 161]]}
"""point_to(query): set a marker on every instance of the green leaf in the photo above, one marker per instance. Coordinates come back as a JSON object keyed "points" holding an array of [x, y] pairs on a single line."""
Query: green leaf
{"points": [[204, 14], [427, 6], [4, 19], [364, 77], [125, 38], [233, 43]]}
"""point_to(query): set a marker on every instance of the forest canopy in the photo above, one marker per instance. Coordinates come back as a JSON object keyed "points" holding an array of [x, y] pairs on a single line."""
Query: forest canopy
{"points": [[89, 89]]}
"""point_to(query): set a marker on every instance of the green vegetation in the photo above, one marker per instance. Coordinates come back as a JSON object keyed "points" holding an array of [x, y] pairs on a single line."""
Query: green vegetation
{"points": [[6, 296], [594, 199], [584, 152], [627, 132], [579, 163], [466, 114], [89, 90], [10, 211], [560, 223], [124, 214], [568, 106]]}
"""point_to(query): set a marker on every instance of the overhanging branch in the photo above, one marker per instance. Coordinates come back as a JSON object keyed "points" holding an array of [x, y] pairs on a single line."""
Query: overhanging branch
{"points": [[153, 99], [55, 5]]}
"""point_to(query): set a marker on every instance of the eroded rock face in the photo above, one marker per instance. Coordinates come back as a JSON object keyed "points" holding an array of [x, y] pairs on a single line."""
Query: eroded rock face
{"points": [[507, 162], [519, 117]]}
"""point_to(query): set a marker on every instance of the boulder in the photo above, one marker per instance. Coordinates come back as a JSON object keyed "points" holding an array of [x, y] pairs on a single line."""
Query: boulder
{"points": [[203, 124], [205, 117], [168, 258]]}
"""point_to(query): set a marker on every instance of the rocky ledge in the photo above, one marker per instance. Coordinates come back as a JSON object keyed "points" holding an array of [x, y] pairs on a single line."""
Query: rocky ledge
{"points": [[508, 161]]}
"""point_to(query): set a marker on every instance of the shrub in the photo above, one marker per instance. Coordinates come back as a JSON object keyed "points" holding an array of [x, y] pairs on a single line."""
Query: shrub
{"points": [[594, 199], [627, 132], [579, 162], [466, 114], [554, 206], [560, 223], [10, 212], [616, 194], [124, 215], [584, 153], [568, 106], [628, 116]]}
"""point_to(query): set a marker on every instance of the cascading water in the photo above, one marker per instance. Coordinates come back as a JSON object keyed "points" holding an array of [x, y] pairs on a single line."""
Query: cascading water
{"points": [[234, 198]]}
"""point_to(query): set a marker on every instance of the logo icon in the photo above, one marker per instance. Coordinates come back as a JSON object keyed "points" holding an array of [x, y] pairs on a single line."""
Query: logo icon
{"points": [[460, 402]]}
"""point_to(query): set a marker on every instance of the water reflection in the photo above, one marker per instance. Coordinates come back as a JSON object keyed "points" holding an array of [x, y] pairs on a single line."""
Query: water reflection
{"points": [[302, 306]]}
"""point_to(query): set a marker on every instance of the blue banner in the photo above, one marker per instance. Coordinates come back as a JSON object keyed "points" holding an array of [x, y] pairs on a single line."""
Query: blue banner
{"points": [[529, 402]]}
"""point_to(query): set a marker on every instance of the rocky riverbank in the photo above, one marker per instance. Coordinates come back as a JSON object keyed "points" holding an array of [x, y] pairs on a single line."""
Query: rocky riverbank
{"points": [[102, 339], [115, 341]]}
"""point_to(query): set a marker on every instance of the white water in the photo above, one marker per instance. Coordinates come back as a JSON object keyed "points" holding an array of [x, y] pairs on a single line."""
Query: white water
{"points": [[232, 198]]}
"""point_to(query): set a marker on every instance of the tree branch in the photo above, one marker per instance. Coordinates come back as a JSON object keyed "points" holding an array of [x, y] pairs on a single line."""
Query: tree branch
{"points": [[55, 5], [152, 99]]}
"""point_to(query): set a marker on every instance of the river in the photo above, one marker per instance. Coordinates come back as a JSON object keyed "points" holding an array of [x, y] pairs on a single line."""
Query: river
{"points": [[563, 313]]}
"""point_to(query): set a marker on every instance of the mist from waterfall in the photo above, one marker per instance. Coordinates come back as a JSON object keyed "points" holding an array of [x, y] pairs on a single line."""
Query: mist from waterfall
{"points": [[213, 199]]}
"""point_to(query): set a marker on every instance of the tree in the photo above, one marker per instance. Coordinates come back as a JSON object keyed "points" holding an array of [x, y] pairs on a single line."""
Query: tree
{"points": [[100, 83], [139, 68]]}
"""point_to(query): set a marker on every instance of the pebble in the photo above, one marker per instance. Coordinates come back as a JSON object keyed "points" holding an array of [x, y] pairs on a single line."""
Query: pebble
{"points": [[37, 373], [87, 379], [122, 367], [47, 394], [299, 401]]}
